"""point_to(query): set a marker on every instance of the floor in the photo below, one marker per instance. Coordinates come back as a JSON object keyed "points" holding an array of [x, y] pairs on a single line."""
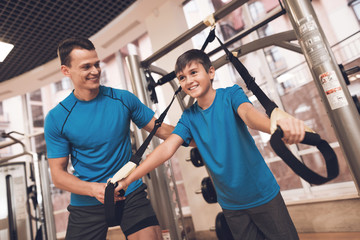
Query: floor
{"points": [[330, 236], [207, 235]]}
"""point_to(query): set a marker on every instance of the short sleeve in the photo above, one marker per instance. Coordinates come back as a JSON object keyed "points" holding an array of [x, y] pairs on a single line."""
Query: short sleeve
{"points": [[238, 96], [140, 113], [56, 144], [182, 129]]}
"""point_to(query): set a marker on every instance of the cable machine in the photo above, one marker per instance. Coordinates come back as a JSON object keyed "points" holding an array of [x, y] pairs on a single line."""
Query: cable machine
{"points": [[28, 211], [313, 44]]}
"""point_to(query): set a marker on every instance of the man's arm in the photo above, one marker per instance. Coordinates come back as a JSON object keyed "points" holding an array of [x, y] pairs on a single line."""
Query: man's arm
{"points": [[294, 129], [68, 182], [157, 157], [164, 131]]}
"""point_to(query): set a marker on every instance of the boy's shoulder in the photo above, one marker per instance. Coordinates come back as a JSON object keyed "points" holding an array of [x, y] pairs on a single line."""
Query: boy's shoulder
{"points": [[231, 90]]}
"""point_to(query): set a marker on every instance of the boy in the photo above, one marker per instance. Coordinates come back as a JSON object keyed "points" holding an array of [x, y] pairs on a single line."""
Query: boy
{"points": [[246, 189]]}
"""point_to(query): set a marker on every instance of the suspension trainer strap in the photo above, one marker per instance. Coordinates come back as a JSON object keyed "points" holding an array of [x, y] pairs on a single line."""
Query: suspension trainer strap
{"points": [[111, 213], [311, 138]]}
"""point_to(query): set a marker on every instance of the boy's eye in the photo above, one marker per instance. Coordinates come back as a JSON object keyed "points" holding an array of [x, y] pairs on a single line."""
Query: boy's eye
{"points": [[181, 78], [193, 72]]}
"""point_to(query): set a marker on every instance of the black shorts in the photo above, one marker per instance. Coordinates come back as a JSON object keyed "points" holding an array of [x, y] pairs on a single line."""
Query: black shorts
{"points": [[88, 222]]}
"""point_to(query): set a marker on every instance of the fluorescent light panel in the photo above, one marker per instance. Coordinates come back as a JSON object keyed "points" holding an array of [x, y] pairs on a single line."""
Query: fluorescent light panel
{"points": [[5, 49]]}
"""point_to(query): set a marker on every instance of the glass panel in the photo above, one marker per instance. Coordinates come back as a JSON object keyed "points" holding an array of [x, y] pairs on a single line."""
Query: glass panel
{"points": [[38, 116], [35, 95], [286, 178], [40, 143]]}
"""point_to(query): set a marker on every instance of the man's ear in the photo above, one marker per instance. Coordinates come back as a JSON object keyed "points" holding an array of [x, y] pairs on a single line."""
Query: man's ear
{"points": [[65, 70]]}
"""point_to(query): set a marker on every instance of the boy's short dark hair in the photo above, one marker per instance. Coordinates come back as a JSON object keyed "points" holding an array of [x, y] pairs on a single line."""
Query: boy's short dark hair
{"points": [[66, 46], [192, 55]]}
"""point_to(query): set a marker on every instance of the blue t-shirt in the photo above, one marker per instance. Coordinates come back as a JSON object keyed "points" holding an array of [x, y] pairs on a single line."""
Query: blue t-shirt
{"points": [[96, 134], [241, 177]]}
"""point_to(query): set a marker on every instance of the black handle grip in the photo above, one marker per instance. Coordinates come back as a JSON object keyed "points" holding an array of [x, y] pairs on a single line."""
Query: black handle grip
{"points": [[300, 168]]}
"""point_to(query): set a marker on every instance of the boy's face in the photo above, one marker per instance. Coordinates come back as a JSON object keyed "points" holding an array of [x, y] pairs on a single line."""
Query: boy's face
{"points": [[194, 80], [84, 69]]}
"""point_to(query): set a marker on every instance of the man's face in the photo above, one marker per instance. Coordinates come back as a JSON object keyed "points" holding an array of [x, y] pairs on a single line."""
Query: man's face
{"points": [[84, 69]]}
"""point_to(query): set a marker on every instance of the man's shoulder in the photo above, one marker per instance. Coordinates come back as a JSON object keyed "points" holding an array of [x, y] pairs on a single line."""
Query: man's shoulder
{"points": [[62, 108], [114, 92]]}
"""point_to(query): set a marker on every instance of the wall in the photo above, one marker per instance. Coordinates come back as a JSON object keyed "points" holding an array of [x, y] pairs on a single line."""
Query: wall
{"points": [[331, 216]]}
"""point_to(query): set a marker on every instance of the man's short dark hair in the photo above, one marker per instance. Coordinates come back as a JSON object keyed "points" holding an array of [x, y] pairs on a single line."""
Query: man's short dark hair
{"points": [[192, 55], [66, 46]]}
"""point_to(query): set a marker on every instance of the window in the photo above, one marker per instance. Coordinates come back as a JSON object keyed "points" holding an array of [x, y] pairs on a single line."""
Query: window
{"points": [[63, 84], [1, 109], [355, 4]]}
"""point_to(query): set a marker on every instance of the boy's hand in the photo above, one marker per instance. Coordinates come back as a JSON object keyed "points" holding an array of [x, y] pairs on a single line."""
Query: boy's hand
{"points": [[117, 196], [293, 129], [120, 185]]}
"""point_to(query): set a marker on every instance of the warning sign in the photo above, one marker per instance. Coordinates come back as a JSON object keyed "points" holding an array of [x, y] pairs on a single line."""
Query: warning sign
{"points": [[333, 90]]}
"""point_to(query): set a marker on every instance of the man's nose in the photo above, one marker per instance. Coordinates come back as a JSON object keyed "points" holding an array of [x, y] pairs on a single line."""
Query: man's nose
{"points": [[95, 70]]}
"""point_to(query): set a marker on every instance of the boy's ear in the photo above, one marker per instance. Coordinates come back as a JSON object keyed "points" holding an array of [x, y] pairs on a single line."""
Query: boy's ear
{"points": [[65, 70], [211, 72]]}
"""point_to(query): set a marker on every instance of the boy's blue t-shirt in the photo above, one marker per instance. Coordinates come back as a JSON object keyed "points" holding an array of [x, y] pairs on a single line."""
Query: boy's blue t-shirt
{"points": [[96, 134], [241, 177]]}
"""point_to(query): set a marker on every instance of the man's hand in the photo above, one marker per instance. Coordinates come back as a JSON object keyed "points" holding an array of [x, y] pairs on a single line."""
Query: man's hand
{"points": [[293, 129], [97, 190]]}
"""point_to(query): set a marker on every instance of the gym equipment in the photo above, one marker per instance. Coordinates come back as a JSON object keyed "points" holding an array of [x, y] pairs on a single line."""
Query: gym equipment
{"points": [[196, 158], [208, 190], [18, 191], [345, 74], [221, 227]]}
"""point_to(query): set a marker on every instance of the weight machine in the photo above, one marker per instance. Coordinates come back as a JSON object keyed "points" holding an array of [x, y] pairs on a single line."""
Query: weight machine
{"points": [[339, 105], [25, 193]]}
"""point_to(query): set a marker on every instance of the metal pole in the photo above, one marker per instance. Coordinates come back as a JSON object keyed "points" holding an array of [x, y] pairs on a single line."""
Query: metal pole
{"points": [[328, 80], [50, 227], [158, 190]]}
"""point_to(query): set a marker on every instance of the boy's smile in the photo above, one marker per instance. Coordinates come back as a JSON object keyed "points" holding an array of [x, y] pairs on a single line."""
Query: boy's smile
{"points": [[196, 82]]}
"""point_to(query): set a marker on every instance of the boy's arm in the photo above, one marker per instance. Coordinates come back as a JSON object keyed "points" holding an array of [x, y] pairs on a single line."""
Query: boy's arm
{"points": [[160, 154], [62, 179], [294, 129]]}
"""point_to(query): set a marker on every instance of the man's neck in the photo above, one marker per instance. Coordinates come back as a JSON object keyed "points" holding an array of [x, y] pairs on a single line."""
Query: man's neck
{"points": [[86, 94]]}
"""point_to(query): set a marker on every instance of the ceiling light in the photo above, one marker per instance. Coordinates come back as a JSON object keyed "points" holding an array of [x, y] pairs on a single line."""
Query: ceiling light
{"points": [[5, 49]]}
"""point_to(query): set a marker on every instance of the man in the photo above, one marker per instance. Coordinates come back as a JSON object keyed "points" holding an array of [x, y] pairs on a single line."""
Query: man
{"points": [[93, 126]]}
